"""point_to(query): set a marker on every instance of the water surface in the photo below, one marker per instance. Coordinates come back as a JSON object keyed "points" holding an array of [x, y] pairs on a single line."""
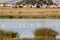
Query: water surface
{"points": [[26, 27]]}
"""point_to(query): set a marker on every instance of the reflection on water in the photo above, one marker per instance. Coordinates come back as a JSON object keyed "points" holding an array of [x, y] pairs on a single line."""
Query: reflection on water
{"points": [[25, 26]]}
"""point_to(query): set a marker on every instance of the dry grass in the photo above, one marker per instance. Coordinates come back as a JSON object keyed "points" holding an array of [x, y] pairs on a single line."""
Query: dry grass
{"points": [[28, 12]]}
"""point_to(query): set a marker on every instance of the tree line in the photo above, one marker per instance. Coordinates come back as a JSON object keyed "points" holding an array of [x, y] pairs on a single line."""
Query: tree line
{"points": [[38, 2]]}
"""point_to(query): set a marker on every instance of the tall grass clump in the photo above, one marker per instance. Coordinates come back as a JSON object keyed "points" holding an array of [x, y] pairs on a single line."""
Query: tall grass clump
{"points": [[8, 35]]}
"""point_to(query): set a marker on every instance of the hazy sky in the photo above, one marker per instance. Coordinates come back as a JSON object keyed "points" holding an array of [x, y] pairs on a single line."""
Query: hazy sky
{"points": [[1, 1], [56, 1], [26, 27]]}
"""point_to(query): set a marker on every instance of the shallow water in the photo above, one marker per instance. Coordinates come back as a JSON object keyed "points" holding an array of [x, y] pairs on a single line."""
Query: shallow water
{"points": [[25, 26]]}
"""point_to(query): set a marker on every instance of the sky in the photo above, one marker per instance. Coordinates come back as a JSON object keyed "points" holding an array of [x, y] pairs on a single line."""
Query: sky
{"points": [[2, 1], [26, 27], [56, 1]]}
